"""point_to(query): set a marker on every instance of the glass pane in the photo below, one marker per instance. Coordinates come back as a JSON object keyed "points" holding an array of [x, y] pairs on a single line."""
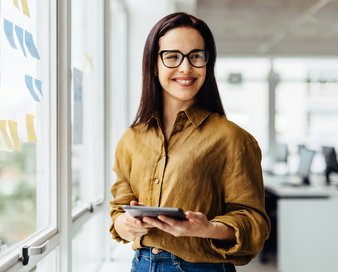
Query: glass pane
{"points": [[243, 89], [87, 101], [49, 263], [87, 244], [307, 104], [25, 120]]}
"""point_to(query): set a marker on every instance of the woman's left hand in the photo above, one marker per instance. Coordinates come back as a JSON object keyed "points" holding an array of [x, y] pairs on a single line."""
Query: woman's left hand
{"points": [[197, 225]]}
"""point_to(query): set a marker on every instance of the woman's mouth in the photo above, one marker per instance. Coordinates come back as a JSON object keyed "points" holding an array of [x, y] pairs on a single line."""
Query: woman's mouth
{"points": [[185, 82]]}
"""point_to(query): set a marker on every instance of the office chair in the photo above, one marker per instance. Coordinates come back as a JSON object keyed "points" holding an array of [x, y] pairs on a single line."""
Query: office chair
{"points": [[304, 168], [282, 153], [330, 156]]}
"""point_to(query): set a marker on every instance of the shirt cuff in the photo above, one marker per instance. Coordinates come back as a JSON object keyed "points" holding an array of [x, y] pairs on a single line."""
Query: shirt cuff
{"points": [[231, 251]]}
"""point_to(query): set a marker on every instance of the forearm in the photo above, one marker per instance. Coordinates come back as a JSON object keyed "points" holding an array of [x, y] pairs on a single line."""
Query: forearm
{"points": [[221, 232]]}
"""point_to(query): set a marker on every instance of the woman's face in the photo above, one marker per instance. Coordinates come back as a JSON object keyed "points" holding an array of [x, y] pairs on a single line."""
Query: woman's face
{"points": [[181, 84]]}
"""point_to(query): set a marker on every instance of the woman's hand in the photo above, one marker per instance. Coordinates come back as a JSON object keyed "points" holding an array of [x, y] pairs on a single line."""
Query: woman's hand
{"points": [[197, 225], [130, 228]]}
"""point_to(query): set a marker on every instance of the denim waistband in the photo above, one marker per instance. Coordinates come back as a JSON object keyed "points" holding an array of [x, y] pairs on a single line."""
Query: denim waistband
{"points": [[162, 254], [146, 252]]}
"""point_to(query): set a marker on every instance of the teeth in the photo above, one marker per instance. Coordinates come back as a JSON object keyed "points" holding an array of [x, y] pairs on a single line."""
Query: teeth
{"points": [[184, 81]]}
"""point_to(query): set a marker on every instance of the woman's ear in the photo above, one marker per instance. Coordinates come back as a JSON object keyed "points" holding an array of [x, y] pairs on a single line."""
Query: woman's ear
{"points": [[155, 71]]}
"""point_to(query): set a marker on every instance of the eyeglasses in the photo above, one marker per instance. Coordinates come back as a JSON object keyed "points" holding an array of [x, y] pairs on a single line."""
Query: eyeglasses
{"points": [[174, 58]]}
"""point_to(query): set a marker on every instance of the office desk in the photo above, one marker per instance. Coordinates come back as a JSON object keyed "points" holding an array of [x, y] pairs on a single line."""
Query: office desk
{"points": [[307, 226]]}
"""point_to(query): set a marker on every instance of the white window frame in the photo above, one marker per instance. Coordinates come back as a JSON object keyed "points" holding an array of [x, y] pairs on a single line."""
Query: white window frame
{"points": [[68, 221], [12, 260]]}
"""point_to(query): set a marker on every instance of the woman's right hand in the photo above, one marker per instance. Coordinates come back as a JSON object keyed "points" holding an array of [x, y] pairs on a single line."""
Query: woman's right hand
{"points": [[130, 228]]}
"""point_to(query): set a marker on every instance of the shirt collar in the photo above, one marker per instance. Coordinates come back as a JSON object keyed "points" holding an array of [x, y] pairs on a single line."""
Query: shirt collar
{"points": [[197, 115], [155, 118]]}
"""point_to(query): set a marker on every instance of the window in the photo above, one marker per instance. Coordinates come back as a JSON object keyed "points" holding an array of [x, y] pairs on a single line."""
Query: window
{"points": [[52, 133], [27, 121], [87, 102], [307, 104], [242, 81], [88, 162]]}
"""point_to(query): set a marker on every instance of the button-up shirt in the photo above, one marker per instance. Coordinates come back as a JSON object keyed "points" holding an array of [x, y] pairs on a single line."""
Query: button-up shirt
{"points": [[209, 165]]}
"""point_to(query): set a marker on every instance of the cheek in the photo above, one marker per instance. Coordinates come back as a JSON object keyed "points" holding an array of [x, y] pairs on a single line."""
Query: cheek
{"points": [[203, 76], [163, 75]]}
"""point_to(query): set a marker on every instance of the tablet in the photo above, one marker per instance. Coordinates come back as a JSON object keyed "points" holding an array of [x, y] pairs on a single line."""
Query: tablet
{"points": [[142, 211]]}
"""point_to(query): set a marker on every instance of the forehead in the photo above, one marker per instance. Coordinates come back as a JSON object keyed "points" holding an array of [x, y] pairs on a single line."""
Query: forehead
{"points": [[184, 39]]}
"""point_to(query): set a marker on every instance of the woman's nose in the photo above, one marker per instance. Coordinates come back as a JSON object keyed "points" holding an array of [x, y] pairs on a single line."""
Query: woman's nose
{"points": [[185, 65]]}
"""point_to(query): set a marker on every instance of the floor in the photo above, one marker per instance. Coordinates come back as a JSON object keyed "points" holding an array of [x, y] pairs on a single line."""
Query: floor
{"points": [[123, 254]]}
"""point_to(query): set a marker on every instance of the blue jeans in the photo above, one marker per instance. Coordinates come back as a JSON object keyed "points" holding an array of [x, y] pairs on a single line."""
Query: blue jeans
{"points": [[146, 261]]}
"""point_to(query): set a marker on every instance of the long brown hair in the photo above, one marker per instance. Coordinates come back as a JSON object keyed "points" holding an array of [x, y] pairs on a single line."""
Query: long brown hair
{"points": [[151, 98]]}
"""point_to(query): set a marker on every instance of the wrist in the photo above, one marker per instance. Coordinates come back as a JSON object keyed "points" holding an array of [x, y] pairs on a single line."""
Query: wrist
{"points": [[221, 231]]}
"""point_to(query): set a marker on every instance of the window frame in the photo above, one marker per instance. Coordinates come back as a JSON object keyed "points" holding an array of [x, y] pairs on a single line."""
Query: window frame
{"points": [[11, 259], [68, 221]]}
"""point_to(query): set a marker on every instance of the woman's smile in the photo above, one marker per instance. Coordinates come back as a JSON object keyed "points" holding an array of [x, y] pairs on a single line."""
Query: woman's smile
{"points": [[185, 81]]}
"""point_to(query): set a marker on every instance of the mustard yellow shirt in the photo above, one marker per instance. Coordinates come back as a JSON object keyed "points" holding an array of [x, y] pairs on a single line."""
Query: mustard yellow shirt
{"points": [[209, 165]]}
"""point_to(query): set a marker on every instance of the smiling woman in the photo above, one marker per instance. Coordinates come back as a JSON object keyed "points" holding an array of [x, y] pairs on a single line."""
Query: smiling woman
{"points": [[182, 152]]}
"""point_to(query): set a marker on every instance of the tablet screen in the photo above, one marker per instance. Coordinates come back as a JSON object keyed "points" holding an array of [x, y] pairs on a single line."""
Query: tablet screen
{"points": [[142, 211]]}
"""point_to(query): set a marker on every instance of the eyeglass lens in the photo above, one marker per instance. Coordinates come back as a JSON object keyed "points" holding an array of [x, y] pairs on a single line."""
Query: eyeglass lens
{"points": [[174, 59]]}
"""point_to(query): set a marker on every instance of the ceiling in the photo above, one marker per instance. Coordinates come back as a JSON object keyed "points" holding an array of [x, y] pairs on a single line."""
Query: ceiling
{"points": [[271, 27]]}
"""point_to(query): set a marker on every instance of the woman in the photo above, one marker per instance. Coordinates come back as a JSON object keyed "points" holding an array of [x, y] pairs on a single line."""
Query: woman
{"points": [[182, 152]]}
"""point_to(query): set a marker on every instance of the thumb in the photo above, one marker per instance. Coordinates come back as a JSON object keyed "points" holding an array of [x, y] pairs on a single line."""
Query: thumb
{"points": [[135, 203], [195, 216]]}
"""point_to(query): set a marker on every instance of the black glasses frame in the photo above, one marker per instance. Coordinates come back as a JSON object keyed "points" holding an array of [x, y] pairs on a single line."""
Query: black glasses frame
{"points": [[183, 56]]}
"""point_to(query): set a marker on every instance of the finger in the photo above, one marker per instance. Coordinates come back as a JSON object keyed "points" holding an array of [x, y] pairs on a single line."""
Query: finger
{"points": [[137, 228], [143, 224], [196, 217], [193, 215], [168, 220], [133, 220], [137, 224], [135, 203], [154, 222], [133, 228]]}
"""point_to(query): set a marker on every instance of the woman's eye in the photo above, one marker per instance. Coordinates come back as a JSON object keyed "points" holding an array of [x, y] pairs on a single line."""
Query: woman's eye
{"points": [[171, 57], [196, 56]]}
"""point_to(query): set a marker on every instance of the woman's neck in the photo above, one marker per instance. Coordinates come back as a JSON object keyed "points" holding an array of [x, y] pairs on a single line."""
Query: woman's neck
{"points": [[169, 114]]}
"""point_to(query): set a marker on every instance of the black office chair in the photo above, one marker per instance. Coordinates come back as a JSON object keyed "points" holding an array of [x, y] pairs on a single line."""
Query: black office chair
{"points": [[330, 156]]}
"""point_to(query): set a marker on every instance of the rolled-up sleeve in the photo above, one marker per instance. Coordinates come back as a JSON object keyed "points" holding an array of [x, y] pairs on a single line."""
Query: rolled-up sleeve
{"points": [[245, 208], [121, 190]]}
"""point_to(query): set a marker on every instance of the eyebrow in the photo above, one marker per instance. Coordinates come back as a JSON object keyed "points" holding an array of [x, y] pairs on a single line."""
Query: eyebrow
{"points": [[176, 50]]}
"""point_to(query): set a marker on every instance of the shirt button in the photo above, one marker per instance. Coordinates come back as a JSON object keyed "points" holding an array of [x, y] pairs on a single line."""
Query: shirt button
{"points": [[157, 181], [182, 114], [178, 127]]}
